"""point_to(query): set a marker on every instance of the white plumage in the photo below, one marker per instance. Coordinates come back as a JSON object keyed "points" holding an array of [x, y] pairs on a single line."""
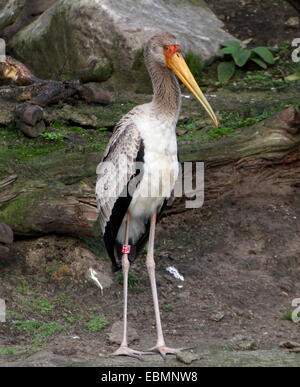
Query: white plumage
{"points": [[160, 169], [146, 134]]}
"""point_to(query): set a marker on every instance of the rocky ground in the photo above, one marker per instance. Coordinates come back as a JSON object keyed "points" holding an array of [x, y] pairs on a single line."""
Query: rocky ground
{"points": [[240, 263]]}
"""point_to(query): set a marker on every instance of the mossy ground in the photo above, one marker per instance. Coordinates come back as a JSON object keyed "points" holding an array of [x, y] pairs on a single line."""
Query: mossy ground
{"points": [[35, 315]]}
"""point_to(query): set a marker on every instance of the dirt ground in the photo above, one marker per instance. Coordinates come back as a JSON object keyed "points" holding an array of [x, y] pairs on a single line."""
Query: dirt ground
{"points": [[240, 260], [266, 22]]}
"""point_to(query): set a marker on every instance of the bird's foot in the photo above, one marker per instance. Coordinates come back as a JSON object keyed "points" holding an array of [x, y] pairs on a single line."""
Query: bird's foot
{"points": [[126, 351], [164, 350]]}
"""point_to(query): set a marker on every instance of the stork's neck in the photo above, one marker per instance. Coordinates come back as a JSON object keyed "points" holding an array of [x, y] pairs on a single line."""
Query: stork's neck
{"points": [[166, 90]]}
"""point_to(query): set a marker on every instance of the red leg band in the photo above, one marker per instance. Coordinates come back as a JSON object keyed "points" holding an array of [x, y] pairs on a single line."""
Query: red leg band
{"points": [[126, 249]]}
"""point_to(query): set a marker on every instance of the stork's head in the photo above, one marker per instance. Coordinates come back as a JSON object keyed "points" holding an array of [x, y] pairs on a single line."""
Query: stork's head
{"points": [[165, 51]]}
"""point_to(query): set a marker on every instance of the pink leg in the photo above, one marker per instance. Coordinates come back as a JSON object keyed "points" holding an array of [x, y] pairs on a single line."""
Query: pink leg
{"points": [[160, 346], [124, 349]]}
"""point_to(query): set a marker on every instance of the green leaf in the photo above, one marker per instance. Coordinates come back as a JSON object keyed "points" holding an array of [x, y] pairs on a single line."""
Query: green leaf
{"points": [[265, 54], [260, 62], [229, 50], [293, 77], [233, 43], [241, 57], [225, 71]]}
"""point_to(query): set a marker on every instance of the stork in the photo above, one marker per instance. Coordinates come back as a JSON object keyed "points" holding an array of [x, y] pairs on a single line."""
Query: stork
{"points": [[147, 134]]}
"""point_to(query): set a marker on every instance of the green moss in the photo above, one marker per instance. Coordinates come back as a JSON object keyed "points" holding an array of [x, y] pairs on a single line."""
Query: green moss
{"points": [[14, 350], [14, 314], [99, 73], [15, 213], [199, 3], [78, 130], [263, 80], [230, 122], [195, 65], [95, 324], [23, 288], [168, 308], [22, 153], [133, 279], [42, 306], [39, 330], [14, 145], [52, 136], [73, 319], [142, 82]]}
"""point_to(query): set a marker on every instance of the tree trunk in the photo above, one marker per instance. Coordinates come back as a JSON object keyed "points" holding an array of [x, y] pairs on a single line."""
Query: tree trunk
{"points": [[56, 194]]}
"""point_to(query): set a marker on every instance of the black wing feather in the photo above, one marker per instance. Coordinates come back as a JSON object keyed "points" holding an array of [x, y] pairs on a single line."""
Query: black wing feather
{"points": [[113, 247]]}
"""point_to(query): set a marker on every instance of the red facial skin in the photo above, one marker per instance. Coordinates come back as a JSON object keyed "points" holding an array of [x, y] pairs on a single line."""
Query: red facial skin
{"points": [[171, 49]]}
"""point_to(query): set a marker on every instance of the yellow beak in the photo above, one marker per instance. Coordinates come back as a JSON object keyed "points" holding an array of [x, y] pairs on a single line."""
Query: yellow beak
{"points": [[178, 65]]}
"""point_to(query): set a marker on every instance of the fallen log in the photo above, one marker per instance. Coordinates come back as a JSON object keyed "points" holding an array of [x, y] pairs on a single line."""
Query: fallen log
{"points": [[55, 193], [17, 72], [45, 92], [40, 93]]}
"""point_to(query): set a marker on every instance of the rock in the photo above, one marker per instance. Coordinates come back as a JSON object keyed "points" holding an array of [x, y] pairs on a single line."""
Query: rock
{"points": [[62, 257], [4, 251], [29, 114], [116, 332], [218, 316], [29, 119], [19, 13], [289, 344], [94, 94], [102, 279], [80, 261], [293, 21], [6, 234], [6, 240], [213, 358], [28, 130], [45, 359], [35, 260], [56, 43], [295, 350], [10, 12], [242, 343], [246, 346], [187, 357]]}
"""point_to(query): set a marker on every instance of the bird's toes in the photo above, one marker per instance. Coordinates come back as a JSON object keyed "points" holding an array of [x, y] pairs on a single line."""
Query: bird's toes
{"points": [[164, 350], [126, 351]]}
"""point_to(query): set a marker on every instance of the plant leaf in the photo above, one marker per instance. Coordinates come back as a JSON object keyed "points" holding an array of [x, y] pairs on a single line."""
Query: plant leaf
{"points": [[225, 71], [265, 54], [260, 62], [247, 41], [241, 57], [233, 43], [292, 77], [229, 50]]}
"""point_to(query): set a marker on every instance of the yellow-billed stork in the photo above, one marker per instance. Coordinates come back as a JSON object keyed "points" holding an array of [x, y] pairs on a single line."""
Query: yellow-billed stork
{"points": [[146, 134]]}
